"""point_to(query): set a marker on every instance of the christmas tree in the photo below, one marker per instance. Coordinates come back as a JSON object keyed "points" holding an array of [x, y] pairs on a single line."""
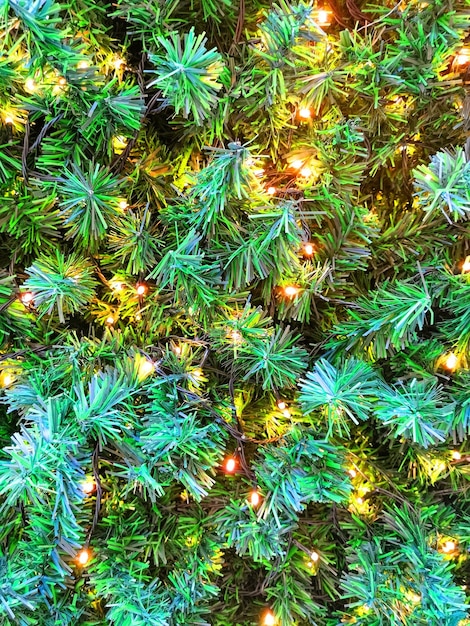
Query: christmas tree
{"points": [[234, 313]]}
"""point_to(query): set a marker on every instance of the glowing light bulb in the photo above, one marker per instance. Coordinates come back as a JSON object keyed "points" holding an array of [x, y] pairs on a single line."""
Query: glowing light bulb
{"points": [[309, 249], [177, 350], [141, 289], [255, 498], [466, 265], [30, 85], [286, 413], [269, 619], [463, 57], [62, 81], [117, 286], [305, 114], [352, 472], [314, 556], [291, 291], [7, 380], [230, 465], [451, 361], [123, 204], [118, 62], [82, 65], [88, 486], [83, 557], [271, 191], [281, 405], [8, 119], [110, 320], [306, 172], [297, 164], [138, 317], [27, 297], [449, 546], [323, 17], [146, 368], [360, 500], [456, 455]]}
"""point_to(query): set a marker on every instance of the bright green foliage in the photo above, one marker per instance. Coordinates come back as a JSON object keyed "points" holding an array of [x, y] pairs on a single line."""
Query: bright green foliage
{"points": [[188, 74], [418, 411], [60, 283], [346, 392], [234, 313]]}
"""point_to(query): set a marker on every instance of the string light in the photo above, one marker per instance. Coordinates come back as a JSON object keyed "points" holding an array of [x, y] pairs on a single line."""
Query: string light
{"points": [[116, 285], [89, 486], [269, 619], [8, 119], [309, 249], [271, 191], [123, 204], [466, 265], [118, 62], [7, 380], [141, 289], [449, 546], [230, 465], [83, 65], [360, 500], [30, 85], [177, 350], [146, 368], [352, 472], [286, 413], [314, 556], [281, 405], [305, 114], [110, 320], [291, 291], [255, 498], [297, 164], [456, 455], [27, 297], [306, 172], [323, 17], [62, 81], [463, 57], [83, 557], [451, 361]]}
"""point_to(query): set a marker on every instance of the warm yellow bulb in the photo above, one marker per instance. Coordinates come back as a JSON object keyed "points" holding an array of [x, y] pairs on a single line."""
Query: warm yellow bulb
{"points": [[309, 249], [146, 368], [30, 85], [88, 486], [27, 297], [123, 204], [271, 191], [141, 289], [314, 556], [463, 57], [255, 498], [269, 619], [8, 119], [323, 17], [449, 546], [456, 455], [230, 465], [305, 114], [7, 380], [352, 472], [281, 405], [297, 164], [83, 557], [62, 81], [306, 172], [466, 265], [110, 320], [286, 413], [177, 350], [83, 65], [451, 361], [360, 500], [117, 286], [291, 291], [118, 63]]}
